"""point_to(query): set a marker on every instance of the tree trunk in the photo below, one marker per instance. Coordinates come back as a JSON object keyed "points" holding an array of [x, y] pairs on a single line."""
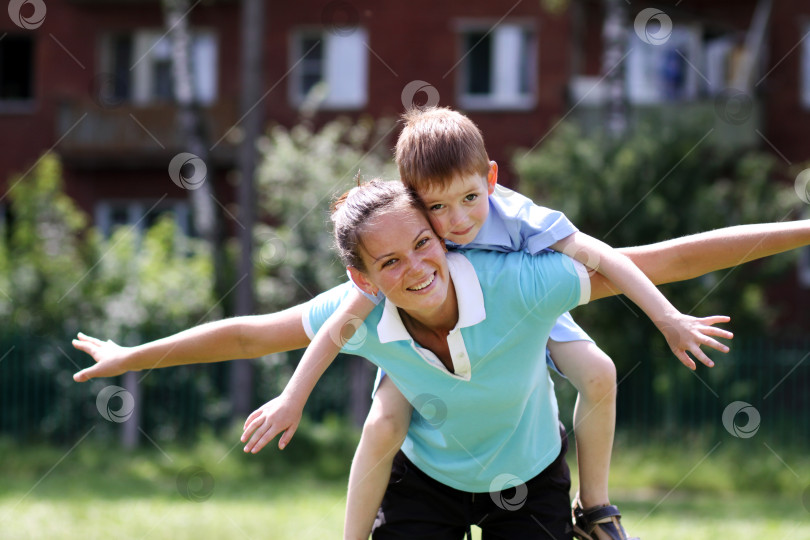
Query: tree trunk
{"points": [[207, 218], [253, 114], [614, 38]]}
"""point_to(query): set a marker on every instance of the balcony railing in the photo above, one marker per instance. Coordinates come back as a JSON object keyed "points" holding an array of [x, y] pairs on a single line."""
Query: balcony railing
{"points": [[127, 133]]}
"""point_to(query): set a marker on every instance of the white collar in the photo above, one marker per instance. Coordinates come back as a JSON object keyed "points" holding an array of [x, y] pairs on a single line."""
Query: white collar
{"points": [[468, 294]]}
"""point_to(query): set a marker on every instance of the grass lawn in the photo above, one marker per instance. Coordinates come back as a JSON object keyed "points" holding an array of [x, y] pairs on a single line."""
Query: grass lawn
{"points": [[93, 493]]}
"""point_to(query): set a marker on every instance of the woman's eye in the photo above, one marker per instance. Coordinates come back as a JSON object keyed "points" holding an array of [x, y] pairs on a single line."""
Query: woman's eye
{"points": [[389, 262], [422, 242]]}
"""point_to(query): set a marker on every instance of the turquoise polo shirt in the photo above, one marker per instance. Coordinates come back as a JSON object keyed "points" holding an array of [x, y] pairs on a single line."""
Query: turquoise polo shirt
{"points": [[497, 414]]}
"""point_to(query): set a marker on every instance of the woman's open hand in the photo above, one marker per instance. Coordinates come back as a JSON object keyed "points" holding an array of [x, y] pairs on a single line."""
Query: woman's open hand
{"points": [[108, 355]]}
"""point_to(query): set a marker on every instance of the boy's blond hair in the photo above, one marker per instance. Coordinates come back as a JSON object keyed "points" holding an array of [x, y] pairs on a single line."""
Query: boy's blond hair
{"points": [[436, 145]]}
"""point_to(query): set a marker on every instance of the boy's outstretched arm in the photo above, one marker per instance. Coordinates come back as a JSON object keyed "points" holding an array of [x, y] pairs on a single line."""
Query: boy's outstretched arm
{"points": [[683, 332], [228, 339], [284, 412]]}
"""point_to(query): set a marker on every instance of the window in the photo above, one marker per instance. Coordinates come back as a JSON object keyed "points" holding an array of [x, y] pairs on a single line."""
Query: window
{"points": [[16, 72], [497, 69], [805, 67], [659, 73], [110, 214], [329, 68], [140, 66]]}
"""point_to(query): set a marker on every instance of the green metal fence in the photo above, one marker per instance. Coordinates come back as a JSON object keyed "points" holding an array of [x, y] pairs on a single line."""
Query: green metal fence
{"points": [[40, 402]]}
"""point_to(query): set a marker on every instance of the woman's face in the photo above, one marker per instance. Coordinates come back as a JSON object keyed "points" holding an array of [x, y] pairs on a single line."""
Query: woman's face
{"points": [[405, 259]]}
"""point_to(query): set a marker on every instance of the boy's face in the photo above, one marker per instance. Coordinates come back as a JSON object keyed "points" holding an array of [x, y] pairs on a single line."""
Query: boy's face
{"points": [[457, 211]]}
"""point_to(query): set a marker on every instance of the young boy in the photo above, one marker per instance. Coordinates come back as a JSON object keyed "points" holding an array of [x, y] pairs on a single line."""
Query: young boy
{"points": [[440, 154]]}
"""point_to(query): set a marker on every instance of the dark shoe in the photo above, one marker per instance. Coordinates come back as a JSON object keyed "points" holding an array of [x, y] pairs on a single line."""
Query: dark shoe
{"points": [[606, 518]]}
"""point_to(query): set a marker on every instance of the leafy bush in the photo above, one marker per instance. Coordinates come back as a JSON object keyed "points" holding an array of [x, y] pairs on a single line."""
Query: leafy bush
{"points": [[662, 182]]}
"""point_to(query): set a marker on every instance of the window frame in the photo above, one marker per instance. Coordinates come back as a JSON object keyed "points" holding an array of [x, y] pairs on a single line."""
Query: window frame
{"points": [[296, 61], [495, 101], [28, 105], [141, 87], [136, 211]]}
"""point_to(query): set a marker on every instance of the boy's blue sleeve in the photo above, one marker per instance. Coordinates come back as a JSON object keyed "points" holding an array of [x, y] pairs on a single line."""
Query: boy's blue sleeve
{"points": [[515, 223], [317, 310]]}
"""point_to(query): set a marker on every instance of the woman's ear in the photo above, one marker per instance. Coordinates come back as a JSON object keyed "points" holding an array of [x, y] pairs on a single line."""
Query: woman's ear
{"points": [[361, 280], [492, 177]]}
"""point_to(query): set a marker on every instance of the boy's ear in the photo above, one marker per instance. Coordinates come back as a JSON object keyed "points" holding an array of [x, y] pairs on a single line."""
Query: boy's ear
{"points": [[492, 177], [359, 278]]}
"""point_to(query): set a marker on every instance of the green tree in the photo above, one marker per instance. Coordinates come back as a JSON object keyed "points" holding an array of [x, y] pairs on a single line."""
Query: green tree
{"points": [[301, 171], [58, 276], [661, 182]]}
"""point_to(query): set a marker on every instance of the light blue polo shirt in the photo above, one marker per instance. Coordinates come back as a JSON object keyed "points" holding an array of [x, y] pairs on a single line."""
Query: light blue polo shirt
{"points": [[515, 223], [497, 414]]}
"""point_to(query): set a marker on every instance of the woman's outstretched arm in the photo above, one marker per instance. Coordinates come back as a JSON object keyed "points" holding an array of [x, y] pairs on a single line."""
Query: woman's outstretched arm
{"points": [[228, 339], [692, 256]]}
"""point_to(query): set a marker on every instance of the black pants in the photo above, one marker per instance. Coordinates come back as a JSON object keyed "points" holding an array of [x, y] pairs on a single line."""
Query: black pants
{"points": [[417, 506]]}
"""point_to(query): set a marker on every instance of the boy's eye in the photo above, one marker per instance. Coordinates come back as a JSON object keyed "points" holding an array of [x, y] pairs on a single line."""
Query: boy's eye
{"points": [[436, 206], [471, 197]]}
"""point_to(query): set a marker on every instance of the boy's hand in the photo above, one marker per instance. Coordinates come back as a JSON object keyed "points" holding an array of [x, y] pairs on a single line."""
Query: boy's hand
{"points": [[685, 333], [275, 416], [109, 357]]}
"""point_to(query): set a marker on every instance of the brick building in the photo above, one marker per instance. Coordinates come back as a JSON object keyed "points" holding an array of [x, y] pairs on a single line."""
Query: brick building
{"points": [[91, 80]]}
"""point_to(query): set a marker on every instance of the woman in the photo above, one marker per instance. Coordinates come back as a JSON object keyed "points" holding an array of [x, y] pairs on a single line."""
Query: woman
{"points": [[453, 344]]}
